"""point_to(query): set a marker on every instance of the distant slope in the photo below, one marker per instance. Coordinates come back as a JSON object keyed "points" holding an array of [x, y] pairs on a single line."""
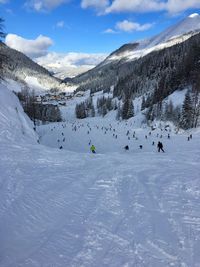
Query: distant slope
{"points": [[121, 62], [172, 35], [18, 67]]}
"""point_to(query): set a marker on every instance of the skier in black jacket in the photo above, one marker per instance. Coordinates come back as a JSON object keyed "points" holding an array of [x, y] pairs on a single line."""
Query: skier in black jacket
{"points": [[160, 147]]}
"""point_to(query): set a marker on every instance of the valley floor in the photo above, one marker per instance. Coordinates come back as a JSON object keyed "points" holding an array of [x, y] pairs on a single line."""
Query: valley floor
{"points": [[60, 208]]}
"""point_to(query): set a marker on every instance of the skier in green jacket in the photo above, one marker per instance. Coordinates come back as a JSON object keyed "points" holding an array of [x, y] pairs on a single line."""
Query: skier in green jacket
{"points": [[92, 148]]}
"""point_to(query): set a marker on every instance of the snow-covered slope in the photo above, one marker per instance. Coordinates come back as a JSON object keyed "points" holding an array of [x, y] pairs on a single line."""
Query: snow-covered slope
{"points": [[111, 209], [187, 25], [15, 126], [16, 66], [173, 35]]}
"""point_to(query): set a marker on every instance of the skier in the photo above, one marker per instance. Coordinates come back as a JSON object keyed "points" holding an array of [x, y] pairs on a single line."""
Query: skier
{"points": [[92, 148], [160, 147], [126, 147]]}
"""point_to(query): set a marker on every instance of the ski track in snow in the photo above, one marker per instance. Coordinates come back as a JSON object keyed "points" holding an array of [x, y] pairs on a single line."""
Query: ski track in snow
{"points": [[69, 208], [62, 208]]}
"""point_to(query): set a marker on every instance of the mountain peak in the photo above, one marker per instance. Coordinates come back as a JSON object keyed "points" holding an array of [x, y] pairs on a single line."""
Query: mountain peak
{"points": [[193, 15]]}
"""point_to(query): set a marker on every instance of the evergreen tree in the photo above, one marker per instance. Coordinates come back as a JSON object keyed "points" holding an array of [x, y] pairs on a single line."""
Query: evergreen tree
{"points": [[119, 112], [187, 112], [177, 116], [104, 110], [115, 105], [80, 111], [104, 105], [196, 103], [127, 109], [109, 104], [92, 111], [130, 112], [150, 113], [143, 104]]}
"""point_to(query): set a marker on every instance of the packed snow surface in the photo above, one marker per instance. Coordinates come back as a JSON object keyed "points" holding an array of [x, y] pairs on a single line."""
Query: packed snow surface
{"points": [[116, 208]]}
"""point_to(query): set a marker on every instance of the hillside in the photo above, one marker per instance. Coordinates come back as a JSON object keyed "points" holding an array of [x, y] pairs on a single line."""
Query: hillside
{"points": [[123, 63], [17, 66], [14, 123]]}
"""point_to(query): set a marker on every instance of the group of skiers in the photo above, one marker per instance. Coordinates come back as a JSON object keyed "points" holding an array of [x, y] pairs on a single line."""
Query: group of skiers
{"points": [[159, 146], [93, 149]]}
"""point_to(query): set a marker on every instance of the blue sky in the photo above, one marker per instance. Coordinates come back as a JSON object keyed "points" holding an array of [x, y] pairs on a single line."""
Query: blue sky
{"points": [[87, 26]]}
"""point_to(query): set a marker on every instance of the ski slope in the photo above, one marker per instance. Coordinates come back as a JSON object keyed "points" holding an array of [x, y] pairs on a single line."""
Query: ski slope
{"points": [[68, 207]]}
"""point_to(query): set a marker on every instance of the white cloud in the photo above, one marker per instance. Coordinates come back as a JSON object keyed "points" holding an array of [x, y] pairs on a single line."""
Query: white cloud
{"points": [[181, 5], [141, 6], [135, 6], [32, 48], [70, 64], [129, 26], [96, 4], [60, 24], [72, 59], [109, 31], [44, 5]]}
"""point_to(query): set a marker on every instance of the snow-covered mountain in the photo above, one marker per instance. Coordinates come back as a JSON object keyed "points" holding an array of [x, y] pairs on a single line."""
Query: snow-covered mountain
{"points": [[16, 66], [106, 73], [175, 34]]}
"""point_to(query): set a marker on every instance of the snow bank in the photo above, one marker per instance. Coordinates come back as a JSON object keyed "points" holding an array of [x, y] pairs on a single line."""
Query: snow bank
{"points": [[15, 126]]}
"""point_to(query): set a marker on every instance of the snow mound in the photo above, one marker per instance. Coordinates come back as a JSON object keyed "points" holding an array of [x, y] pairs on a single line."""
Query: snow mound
{"points": [[15, 126]]}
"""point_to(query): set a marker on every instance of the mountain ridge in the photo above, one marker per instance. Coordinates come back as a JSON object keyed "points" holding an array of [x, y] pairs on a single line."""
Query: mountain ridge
{"points": [[105, 74], [189, 25], [19, 67]]}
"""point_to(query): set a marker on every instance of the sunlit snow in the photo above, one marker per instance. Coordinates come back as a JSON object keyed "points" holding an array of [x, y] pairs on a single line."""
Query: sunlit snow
{"points": [[116, 208]]}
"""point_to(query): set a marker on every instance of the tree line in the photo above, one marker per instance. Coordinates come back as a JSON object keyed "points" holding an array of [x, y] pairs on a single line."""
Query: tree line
{"points": [[38, 111]]}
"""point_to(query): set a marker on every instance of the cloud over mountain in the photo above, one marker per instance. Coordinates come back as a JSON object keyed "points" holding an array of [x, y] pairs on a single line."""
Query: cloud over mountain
{"points": [[32, 48], [70, 64], [129, 26]]}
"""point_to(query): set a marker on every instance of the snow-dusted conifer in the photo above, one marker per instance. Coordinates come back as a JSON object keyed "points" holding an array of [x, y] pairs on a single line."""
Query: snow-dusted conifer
{"points": [[187, 112]]}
